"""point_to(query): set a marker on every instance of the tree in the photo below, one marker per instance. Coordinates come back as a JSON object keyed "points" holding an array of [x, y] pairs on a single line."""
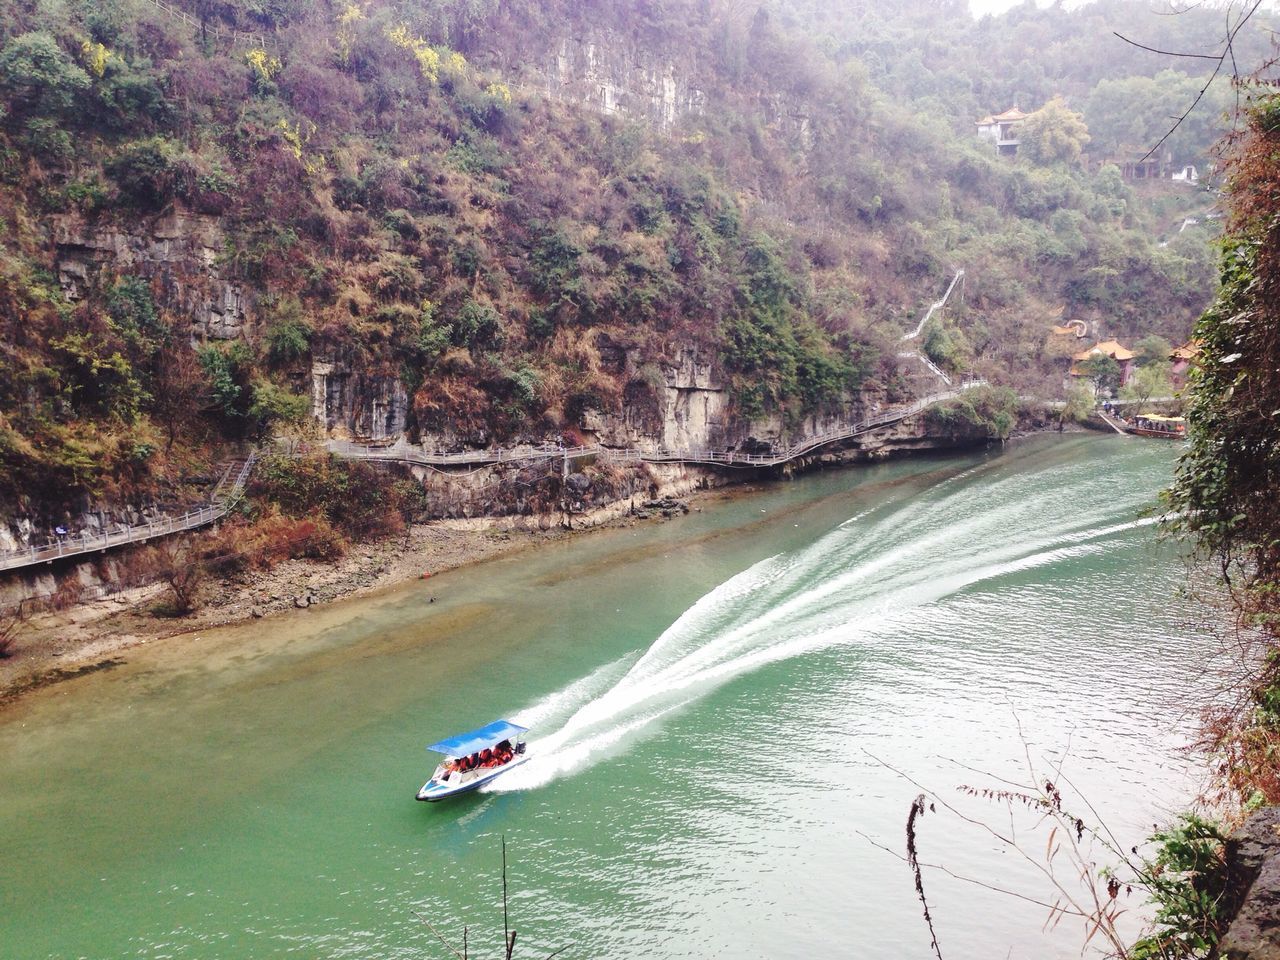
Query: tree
{"points": [[1150, 381], [1152, 349], [1128, 115], [39, 80], [1103, 371], [180, 390], [1080, 403], [1054, 134], [182, 568]]}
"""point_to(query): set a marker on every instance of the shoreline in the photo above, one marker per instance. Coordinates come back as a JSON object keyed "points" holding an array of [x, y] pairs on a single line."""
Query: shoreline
{"points": [[62, 645], [92, 635]]}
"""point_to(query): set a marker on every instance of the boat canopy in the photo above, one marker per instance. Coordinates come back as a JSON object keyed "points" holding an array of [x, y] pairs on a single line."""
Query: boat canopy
{"points": [[1161, 419], [466, 743]]}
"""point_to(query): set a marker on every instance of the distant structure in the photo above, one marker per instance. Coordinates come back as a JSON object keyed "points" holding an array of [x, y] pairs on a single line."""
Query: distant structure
{"points": [[1107, 348], [1002, 131], [1188, 174], [1182, 358], [1072, 328], [1151, 168]]}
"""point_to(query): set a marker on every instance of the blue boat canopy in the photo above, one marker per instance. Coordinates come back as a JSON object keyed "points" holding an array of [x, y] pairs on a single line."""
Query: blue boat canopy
{"points": [[487, 736]]}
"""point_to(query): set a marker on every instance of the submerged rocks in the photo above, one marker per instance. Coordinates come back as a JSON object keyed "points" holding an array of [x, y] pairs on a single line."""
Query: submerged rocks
{"points": [[668, 507]]}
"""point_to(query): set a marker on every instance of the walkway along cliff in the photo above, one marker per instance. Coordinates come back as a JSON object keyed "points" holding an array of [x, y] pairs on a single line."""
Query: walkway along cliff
{"points": [[236, 474]]}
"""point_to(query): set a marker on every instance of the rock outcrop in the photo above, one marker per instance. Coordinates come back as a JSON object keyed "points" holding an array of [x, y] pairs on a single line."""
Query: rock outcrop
{"points": [[1253, 889], [179, 251], [353, 404], [612, 75]]}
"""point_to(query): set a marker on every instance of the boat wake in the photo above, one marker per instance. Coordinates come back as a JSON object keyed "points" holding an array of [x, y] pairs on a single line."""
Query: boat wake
{"points": [[875, 571]]}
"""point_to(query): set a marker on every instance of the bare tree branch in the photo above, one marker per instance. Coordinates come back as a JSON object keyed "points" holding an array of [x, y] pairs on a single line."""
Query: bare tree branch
{"points": [[1226, 53], [446, 943]]}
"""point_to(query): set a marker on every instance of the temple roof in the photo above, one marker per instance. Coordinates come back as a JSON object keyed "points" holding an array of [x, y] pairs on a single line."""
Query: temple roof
{"points": [[1110, 348], [1009, 116]]}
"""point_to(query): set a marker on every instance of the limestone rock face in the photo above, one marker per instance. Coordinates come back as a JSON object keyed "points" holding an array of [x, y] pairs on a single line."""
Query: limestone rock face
{"points": [[606, 72], [354, 404], [682, 401], [179, 251]]}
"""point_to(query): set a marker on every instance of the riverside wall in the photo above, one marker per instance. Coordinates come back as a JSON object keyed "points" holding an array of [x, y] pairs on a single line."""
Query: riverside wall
{"points": [[1253, 889]]}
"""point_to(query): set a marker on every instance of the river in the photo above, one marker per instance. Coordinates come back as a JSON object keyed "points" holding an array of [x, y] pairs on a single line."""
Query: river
{"points": [[724, 708]]}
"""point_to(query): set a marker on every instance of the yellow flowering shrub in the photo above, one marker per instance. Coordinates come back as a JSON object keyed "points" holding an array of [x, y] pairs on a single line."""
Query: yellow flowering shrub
{"points": [[96, 58], [351, 14], [265, 66]]}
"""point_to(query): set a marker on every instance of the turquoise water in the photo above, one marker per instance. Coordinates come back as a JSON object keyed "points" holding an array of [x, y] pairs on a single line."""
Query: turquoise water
{"points": [[717, 704]]}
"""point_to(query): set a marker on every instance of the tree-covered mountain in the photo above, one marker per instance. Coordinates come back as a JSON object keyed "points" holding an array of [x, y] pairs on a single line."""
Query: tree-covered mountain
{"points": [[477, 208]]}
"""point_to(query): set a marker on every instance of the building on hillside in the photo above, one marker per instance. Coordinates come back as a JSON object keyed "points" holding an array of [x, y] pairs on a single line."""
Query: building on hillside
{"points": [[1072, 328], [1002, 131], [1188, 174], [1133, 165], [1107, 348], [1182, 358]]}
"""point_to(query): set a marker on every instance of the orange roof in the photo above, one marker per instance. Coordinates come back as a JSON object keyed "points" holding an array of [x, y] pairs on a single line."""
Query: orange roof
{"points": [[1009, 116], [1110, 348], [986, 121], [1115, 351], [1064, 331]]}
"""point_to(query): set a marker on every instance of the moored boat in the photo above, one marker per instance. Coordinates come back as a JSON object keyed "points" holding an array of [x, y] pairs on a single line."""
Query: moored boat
{"points": [[1155, 425], [475, 758]]}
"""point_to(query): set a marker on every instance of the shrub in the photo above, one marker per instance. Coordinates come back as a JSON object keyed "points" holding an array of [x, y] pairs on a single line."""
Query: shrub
{"points": [[230, 374], [1186, 880], [150, 173], [988, 411], [288, 334], [39, 79], [273, 404], [477, 326], [359, 500]]}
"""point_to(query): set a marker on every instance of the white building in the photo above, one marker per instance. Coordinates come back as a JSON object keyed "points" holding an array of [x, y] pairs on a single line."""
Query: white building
{"points": [[1002, 130]]}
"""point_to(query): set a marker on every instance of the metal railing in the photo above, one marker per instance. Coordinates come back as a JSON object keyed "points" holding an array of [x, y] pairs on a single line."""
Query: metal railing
{"points": [[402, 452], [800, 448], [934, 308], [69, 546], [216, 30], [929, 364], [223, 497], [1115, 423]]}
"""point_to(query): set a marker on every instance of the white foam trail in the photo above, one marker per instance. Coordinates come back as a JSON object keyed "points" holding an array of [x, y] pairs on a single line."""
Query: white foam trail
{"points": [[847, 587], [558, 755], [561, 703]]}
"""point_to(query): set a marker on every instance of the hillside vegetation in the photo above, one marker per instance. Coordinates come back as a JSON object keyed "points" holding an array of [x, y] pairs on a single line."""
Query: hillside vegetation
{"points": [[396, 192]]}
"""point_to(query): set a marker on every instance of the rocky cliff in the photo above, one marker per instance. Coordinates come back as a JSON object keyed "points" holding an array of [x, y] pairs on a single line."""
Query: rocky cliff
{"points": [[179, 251]]}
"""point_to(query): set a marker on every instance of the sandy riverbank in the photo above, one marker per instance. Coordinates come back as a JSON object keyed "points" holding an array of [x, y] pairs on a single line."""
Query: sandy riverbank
{"points": [[94, 635]]}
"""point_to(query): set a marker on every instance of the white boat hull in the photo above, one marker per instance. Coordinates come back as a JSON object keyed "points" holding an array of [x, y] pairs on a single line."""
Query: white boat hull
{"points": [[434, 789]]}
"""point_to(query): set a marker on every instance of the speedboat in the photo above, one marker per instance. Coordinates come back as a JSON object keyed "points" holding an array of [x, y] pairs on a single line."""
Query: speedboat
{"points": [[473, 759]]}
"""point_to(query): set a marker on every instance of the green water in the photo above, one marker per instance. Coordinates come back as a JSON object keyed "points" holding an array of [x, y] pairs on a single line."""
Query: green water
{"points": [[715, 703]]}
